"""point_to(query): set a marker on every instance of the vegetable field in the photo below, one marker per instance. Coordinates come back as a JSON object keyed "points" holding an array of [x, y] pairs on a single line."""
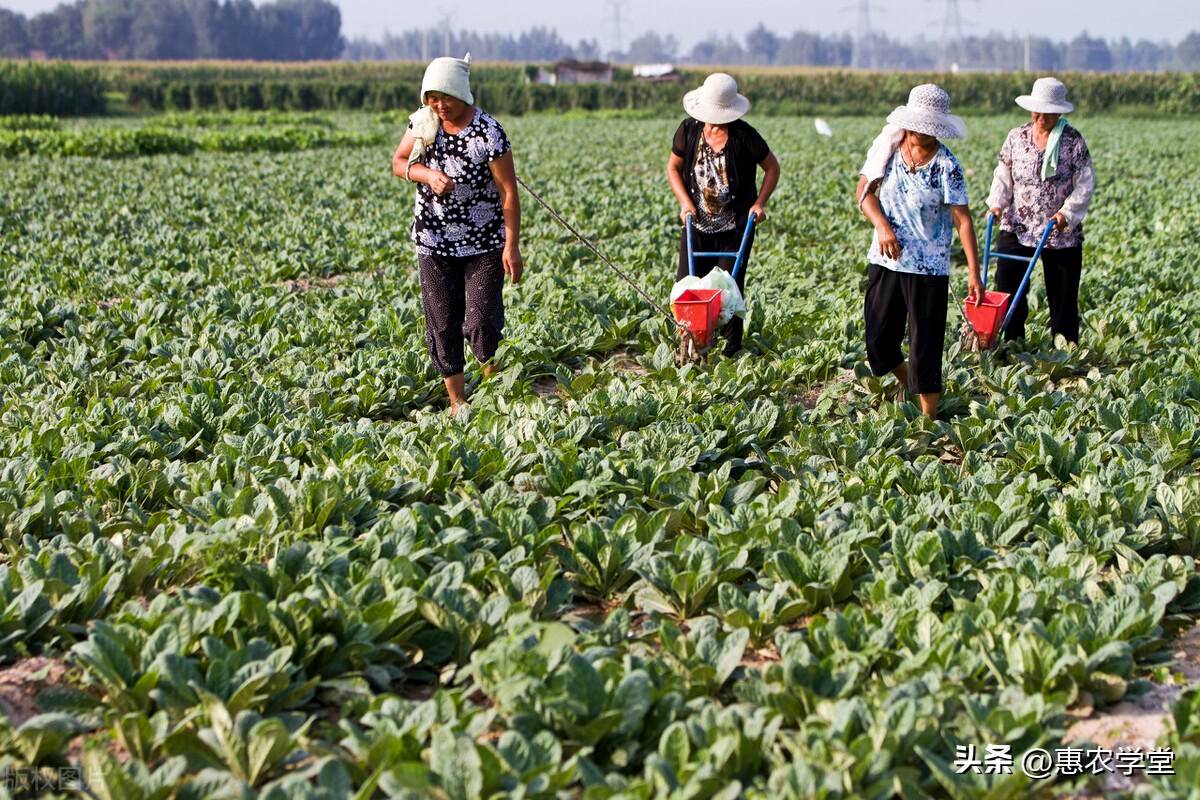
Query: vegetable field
{"points": [[246, 554]]}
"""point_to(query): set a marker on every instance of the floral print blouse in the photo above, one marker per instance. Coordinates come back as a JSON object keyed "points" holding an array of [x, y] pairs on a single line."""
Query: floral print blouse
{"points": [[469, 221], [917, 204], [1027, 202]]}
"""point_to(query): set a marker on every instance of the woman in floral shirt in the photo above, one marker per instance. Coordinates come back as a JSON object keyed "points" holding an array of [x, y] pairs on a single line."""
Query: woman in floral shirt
{"points": [[915, 208], [1044, 172], [467, 220]]}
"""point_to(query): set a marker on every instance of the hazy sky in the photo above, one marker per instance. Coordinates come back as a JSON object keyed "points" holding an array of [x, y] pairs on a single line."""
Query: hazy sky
{"points": [[691, 20]]}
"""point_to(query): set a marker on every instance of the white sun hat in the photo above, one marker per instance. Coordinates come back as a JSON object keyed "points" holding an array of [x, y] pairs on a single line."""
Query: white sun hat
{"points": [[1049, 96], [450, 76], [928, 112], [717, 101]]}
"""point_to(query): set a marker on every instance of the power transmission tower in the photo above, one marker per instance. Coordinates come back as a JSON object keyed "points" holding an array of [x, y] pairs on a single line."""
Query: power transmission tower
{"points": [[863, 49], [446, 24], [615, 7], [952, 36]]}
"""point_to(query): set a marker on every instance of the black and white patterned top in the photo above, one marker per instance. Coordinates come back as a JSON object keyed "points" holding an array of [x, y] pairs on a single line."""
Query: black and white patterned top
{"points": [[469, 220], [711, 193]]}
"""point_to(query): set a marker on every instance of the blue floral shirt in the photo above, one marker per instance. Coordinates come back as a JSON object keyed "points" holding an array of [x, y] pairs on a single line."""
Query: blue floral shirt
{"points": [[917, 204]]}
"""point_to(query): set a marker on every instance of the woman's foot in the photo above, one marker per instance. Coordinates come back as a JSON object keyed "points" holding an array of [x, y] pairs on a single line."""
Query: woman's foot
{"points": [[457, 389]]}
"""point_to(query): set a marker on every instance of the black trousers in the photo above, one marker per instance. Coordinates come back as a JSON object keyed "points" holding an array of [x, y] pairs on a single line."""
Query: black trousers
{"points": [[1062, 268], [729, 242], [895, 299], [462, 297]]}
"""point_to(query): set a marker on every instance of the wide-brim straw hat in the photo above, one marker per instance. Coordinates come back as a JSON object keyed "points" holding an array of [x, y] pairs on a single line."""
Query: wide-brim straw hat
{"points": [[1049, 96], [928, 112], [717, 101]]}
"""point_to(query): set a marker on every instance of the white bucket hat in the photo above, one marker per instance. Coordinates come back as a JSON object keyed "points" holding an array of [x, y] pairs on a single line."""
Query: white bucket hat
{"points": [[717, 101], [1049, 96], [450, 76], [928, 112]]}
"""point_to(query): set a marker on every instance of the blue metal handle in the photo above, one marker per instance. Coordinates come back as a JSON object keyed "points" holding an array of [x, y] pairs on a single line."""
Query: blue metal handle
{"points": [[1012, 304], [743, 250], [987, 249], [687, 223], [739, 257]]}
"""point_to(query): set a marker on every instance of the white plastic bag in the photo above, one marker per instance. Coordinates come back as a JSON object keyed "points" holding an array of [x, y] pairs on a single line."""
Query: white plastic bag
{"points": [[732, 303]]}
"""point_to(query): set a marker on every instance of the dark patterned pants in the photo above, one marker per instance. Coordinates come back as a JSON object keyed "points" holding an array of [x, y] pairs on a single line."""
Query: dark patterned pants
{"points": [[462, 297]]}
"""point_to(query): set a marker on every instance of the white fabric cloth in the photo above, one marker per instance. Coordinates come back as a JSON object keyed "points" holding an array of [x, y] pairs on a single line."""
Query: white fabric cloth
{"points": [[424, 125], [450, 76], [717, 101], [880, 155]]}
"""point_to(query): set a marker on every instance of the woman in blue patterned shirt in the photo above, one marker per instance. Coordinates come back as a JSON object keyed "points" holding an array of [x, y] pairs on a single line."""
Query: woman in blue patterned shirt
{"points": [[915, 207]]}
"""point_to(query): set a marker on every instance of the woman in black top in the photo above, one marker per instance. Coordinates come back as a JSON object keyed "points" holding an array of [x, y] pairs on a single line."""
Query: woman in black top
{"points": [[713, 171], [466, 222]]}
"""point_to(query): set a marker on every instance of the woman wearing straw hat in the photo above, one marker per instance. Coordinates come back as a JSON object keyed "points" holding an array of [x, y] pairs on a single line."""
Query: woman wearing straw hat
{"points": [[467, 221], [1044, 172], [713, 170], [913, 205]]}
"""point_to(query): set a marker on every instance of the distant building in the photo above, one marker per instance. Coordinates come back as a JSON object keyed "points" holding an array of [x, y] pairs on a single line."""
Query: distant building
{"points": [[571, 71], [657, 73]]}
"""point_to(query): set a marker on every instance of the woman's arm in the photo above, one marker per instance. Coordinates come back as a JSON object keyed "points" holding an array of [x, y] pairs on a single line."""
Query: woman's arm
{"points": [[770, 166], [675, 178], [505, 175], [1000, 197], [889, 245], [966, 235], [436, 180], [1075, 207]]}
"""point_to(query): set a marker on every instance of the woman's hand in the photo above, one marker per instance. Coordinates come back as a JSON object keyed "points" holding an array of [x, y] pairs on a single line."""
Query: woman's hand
{"points": [[439, 182], [514, 265], [974, 288], [995, 212], [889, 245], [686, 210], [1060, 222], [760, 213]]}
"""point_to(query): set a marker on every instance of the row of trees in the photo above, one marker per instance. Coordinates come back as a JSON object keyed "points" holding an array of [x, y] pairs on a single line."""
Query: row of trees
{"points": [[282, 30], [291, 30], [763, 46]]}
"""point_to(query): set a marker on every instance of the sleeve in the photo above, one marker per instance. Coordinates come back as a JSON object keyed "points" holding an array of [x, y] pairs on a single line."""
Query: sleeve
{"points": [[1001, 194], [954, 184], [679, 144], [1075, 207], [497, 141], [756, 145]]}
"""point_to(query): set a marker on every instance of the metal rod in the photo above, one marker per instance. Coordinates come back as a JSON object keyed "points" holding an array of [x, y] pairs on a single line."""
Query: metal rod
{"points": [[687, 224], [558, 217], [740, 259], [1012, 305], [987, 249]]}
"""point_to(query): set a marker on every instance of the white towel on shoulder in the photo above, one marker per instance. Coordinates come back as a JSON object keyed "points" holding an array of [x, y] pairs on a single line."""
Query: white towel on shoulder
{"points": [[881, 152], [424, 125]]}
